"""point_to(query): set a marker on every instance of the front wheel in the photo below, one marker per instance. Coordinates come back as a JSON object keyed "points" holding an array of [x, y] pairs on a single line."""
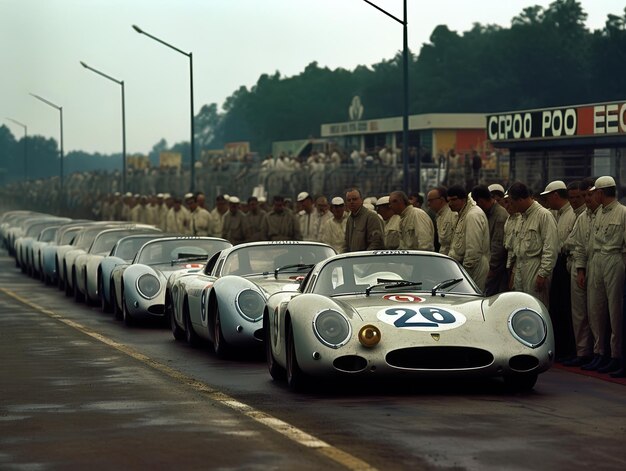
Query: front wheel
{"points": [[190, 335], [126, 317], [117, 312], [277, 372], [296, 378], [105, 305], [220, 347]]}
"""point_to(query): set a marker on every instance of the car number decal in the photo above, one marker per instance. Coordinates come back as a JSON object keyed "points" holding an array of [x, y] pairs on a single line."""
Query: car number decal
{"points": [[426, 318], [403, 298]]}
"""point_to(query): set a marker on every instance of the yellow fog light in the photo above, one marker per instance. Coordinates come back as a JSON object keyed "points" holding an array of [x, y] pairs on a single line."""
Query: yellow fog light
{"points": [[369, 336]]}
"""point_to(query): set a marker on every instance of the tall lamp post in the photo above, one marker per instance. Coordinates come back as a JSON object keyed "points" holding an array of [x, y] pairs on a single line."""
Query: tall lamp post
{"points": [[405, 113], [193, 139], [25, 146], [119, 82], [60, 108]]}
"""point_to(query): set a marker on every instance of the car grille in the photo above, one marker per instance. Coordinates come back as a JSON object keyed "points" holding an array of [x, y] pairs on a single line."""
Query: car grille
{"points": [[439, 358]]}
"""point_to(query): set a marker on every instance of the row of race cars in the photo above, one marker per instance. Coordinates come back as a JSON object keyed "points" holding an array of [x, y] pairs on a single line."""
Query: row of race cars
{"points": [[313, 312]]}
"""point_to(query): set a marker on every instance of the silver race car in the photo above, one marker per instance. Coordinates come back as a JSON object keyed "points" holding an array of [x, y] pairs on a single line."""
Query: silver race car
{"points": [[139, 288], [370, 314], [224, 302], [121, 254]]}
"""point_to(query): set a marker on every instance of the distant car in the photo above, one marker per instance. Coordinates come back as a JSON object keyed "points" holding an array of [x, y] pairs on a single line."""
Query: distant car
{"points": [[87, 264], [121, 255], [224, 302], [63, 237], [139, 288], [382, 313]]}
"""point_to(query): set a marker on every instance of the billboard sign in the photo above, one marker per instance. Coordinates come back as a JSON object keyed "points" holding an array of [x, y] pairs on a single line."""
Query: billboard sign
{"points": [[580, 121]]}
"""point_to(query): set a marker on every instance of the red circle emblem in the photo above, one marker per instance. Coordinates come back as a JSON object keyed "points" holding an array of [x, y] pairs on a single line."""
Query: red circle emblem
{"points": [[403, 298]]}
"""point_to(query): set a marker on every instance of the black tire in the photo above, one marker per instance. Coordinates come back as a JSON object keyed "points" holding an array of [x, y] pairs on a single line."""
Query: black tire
{"points": [[105, 305], [117, 312], [220, 347], [78, 296], [177, 332], [126, 317], [296, 379], [520, 382], [277, 372], [190, 335]]}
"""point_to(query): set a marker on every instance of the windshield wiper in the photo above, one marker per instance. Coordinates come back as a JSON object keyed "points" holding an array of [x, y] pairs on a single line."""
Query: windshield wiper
{"points": [[445, 284], [299, 266], [389, 284], [195, 258]]}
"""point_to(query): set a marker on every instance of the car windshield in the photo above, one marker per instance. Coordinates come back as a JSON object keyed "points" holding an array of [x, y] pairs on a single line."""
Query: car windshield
{"points": [[35, 229], [267, 258], [68, 235], [105, 241], [47, 235], [127, 248], [165, 251], [356, 274]]}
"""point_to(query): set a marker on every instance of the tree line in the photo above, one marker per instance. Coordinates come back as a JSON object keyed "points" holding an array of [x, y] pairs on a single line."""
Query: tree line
{"points": [[546, 57]]}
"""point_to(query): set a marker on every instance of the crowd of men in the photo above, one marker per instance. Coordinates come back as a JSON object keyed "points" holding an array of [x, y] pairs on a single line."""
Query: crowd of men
{"points": [[566, 246]]}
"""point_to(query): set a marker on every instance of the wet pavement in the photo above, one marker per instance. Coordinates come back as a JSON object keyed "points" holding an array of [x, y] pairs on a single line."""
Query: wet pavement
{"points": [[68, 401]]}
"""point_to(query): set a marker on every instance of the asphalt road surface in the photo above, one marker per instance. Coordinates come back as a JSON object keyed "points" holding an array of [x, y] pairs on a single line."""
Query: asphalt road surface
{"points": [[80, 390]]}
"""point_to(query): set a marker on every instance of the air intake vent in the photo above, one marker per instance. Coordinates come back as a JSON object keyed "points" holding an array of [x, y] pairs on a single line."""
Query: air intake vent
{"points": [[439, 358]]}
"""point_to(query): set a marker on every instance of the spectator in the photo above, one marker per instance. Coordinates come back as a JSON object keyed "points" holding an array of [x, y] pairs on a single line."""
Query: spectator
{"points": [[535, 247], [497, 280], [364, 229], [333, 231], [445, 218], [416, 229]]}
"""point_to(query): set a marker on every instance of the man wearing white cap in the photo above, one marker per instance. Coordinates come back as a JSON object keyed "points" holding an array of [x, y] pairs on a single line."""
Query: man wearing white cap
{"points": [[391, 221], [306, 216], [416, 228], [497, 279], [333, 231], [536, 243], [556, 199], [201, 223], [497, 192], [232, 229], [606, 281], [217, 214]]}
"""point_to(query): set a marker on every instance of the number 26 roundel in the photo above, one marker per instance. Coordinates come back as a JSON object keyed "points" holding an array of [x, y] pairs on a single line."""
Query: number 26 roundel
{"points": [[426, 318]]}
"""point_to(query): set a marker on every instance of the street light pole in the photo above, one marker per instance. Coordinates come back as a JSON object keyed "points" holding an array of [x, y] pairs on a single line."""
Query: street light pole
{"points": [[405, 111], [25, 146], [60, 108], [119, 82], [193, 139]]}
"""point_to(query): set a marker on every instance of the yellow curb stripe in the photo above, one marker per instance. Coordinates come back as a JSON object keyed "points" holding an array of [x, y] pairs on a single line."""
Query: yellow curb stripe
{"points": [[292, 433]]}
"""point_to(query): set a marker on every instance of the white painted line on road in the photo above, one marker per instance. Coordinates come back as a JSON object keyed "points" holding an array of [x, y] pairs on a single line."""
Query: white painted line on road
{"points": [[292, 433]]}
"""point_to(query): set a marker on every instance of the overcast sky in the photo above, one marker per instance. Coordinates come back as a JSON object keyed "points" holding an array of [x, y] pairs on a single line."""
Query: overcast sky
{"points": [[233, 42]]}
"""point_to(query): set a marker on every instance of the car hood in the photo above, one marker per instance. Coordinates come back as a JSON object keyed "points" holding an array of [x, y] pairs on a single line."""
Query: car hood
{"points": [[368, 307], [271, 285]]}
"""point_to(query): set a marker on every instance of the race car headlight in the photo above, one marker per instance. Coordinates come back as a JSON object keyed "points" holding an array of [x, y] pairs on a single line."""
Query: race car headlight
{"points": [[528, 327], [148, 286], [331, 328], [250, 305]]}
